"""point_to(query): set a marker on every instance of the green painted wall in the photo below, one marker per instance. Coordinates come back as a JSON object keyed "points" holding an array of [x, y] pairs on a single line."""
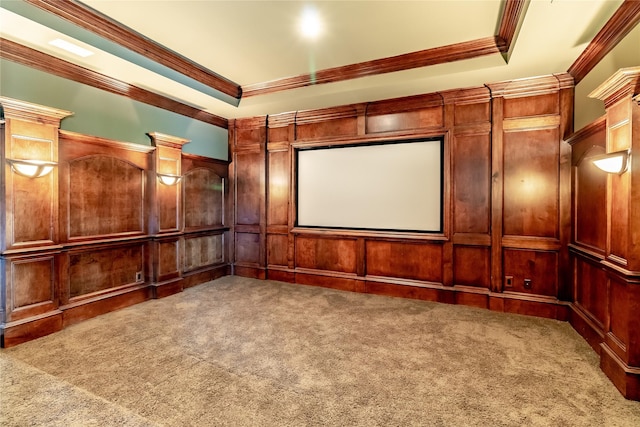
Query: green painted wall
{"points": [[103, 114]]}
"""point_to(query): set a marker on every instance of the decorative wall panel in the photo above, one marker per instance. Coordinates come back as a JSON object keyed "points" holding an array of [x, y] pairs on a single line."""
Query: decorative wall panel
{"points": [[203, 202], [531, 159], [101, 269], [106, 196], [203, 251]]}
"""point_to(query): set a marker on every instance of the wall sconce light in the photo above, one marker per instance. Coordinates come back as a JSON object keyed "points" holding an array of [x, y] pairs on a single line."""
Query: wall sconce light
{"points": [[168, 179], [617, 162], [31, 168]]}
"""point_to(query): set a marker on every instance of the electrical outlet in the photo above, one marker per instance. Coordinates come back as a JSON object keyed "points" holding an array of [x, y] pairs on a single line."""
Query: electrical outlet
{"points": [[527, 283], [139, 276], [508, 281]]}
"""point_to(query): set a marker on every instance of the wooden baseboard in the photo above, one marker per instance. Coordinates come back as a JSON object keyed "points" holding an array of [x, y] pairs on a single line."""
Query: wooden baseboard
{"points": [[590, 331], [74, 313], [202, 276], [251, 272], [15, 333], [624, 377], [167, 288]]}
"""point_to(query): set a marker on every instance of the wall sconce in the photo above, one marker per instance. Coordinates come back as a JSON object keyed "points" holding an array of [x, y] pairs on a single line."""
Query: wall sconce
{"points": [[616, 162], [168, 179], [31, 168]]}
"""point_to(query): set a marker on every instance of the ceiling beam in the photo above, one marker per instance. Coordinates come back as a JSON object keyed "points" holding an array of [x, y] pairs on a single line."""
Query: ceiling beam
{"points": [[103, 26], [512, 15], [438, 55], [32, 58], [510, 21], [617, 27]]}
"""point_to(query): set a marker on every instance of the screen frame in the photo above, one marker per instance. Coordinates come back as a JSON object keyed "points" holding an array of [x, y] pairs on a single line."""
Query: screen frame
{"points": [[351, 144]]}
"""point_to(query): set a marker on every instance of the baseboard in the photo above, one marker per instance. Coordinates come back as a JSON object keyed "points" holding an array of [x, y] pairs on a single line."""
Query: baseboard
{"points": [[251, 272], [589, 330], [167, 288], [198, 277], [15, 333], [86, 309], [624, 377]]}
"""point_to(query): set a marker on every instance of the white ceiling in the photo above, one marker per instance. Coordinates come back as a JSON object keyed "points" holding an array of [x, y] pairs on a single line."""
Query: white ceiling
{"points": [[251, 42]]}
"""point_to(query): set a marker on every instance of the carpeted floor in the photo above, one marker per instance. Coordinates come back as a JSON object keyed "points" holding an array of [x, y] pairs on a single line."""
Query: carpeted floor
{"points": [[242, 352]]}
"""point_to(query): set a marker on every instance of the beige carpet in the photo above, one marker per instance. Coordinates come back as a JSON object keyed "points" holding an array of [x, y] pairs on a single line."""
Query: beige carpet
{"points": [[242, 352]]}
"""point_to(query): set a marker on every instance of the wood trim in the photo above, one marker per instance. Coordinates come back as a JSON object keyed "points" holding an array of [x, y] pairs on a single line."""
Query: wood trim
{"points": [[105, 27], [623, 83], [423, 58], [512, 14], [617, 27], [598, 125], [81, 138], [164, 140], [27, 111], [526, 87], [50, 64]]}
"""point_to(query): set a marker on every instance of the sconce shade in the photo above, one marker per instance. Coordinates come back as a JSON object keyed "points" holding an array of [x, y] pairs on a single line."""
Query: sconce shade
{"points": [[616, 162], [168, 179], [31, 168]]}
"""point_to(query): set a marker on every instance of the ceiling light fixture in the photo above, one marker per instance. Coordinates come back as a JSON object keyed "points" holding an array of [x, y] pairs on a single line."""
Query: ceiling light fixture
{"points": [[617, 162], [70, 47], [310, 23]]}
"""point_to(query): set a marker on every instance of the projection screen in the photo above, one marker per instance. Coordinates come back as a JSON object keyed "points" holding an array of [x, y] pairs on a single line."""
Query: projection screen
{"points": [[392, 186]]}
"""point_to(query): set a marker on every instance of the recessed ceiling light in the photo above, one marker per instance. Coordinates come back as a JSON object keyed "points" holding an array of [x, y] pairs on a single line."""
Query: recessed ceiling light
{"points": [[310, 23], [70, 47]]}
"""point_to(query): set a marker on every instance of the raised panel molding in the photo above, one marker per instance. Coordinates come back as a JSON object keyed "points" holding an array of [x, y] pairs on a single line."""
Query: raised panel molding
{"points": [[98, 233], [485, 156], [106, 197]]}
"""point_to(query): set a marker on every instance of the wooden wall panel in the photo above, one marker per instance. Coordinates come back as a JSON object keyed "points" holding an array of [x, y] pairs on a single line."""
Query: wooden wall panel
{"points": [[471, 183], [277, 249], [531, 159], [32, 210], [203, 199], [30, 286], [619, 318], [203, 251], [424, 118], [32, 218], [278, 188], [527, 106], [414, 261], [505, 172], [472, 266], [168, 208], [249, 167], [540, 267], [248, 248], [168, 259], [619, 220], [472, 113], [106, 196], [590, 213], [591, 293], [99, 269], [328, 129], [331, 254]]}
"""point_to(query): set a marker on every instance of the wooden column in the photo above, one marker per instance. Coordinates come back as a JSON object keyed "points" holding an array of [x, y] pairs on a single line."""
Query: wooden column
{"points": [[166, 223], [620, 355], [29, 240]]}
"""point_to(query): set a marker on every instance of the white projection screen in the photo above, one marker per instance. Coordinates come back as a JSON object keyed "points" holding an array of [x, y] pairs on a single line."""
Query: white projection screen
{"points": [[392, 186]]}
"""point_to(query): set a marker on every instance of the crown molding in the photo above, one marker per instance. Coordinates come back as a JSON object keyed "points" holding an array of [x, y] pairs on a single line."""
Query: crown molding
{"points": [[32, 58]]}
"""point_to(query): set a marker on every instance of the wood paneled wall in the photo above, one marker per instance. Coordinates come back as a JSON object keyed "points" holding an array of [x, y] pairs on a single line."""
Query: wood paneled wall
{"points": [[100, 232], [506, 199], [605, 239]]}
